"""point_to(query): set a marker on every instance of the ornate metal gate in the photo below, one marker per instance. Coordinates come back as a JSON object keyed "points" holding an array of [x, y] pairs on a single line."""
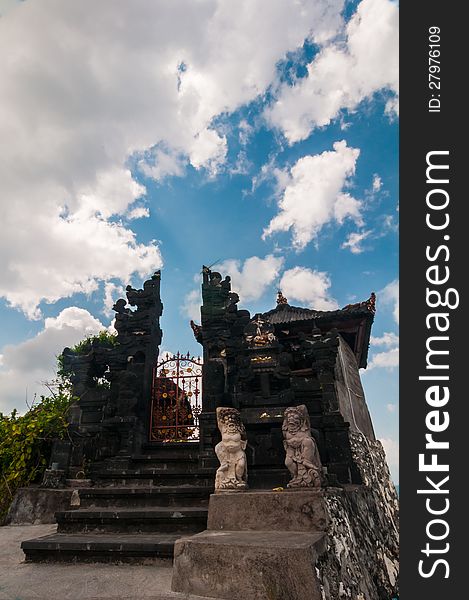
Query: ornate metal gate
{"points": [[176, 401]]}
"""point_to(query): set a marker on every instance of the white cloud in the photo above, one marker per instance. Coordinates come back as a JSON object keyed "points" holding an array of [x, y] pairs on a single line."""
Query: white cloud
{"points": [[347, 206], [313, 195], [343, 74], [138, 212], [392, 108], [51, 256], [161, 163], [385, 360], [391, 407], [109, 194], [245, 132], [112, 293], [388, 339], [86, 86], [388, 225], [192, 304], [208, 149], [308, 287], [242, 165], [354, 241], [252, 278], [377, 183], [390, 296], [391, 448], [389, 358], [27, 364], [271, 173]]}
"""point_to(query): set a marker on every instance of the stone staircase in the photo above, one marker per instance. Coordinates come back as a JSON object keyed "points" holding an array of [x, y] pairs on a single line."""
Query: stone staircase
{"points": [[132, 513]]}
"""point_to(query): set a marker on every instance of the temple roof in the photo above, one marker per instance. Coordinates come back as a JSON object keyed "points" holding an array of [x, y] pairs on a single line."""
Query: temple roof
{"points": [[354, 322]]}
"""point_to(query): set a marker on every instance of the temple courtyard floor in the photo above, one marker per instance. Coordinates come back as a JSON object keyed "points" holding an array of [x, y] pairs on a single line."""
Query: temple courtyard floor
{"points": [[48, 581]]}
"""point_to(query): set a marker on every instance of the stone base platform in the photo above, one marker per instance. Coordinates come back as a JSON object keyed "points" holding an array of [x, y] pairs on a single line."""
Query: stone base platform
{"points": [[248, 565], [288, 510], [259, 545]]}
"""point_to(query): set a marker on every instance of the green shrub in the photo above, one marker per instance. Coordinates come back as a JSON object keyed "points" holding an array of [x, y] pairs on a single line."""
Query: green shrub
{"points": [[105, 339], [25, 441]]}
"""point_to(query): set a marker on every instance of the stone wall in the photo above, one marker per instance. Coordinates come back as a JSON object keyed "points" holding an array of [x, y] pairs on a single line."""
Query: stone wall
{"points": [[35, 505], [350, 393], [361, 560]]}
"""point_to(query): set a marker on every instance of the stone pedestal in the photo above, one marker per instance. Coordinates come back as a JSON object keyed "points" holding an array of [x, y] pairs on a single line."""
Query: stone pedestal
{"points": [[299, 510], [259, 545], [248, 565]]}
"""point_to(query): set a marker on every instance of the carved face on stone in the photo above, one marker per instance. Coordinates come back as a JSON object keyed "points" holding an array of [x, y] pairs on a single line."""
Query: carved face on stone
{"points": [[293, 422], [296, 419], [229, 421]]}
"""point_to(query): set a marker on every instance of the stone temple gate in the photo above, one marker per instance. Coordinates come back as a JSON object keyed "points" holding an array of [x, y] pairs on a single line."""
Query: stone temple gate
{"points": [[144, 429]]}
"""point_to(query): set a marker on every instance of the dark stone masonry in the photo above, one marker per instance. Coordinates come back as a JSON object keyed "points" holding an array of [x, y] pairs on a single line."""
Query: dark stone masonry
{"points": [[138, 493]]}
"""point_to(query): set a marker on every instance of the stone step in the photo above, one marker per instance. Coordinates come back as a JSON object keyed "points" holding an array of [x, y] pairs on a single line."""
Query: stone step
{"points": [[191, 519], [158, 465], [250, 565], [100, 547], [142, 496], [189, 450], [143, 463], [153, 477], [158, 458]]}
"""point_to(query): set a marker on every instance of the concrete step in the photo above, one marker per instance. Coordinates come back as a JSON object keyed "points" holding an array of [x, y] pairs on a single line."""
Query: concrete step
{"points": [[66, 547], [153, 477], [143, 463], [143, 496], [189, 450], [171, 447], [275, 564], [191, 519], [170, 459], [170, 464]]}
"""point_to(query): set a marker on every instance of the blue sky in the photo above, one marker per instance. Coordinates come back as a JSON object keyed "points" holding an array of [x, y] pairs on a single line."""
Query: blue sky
{"points": [[255, 136]]}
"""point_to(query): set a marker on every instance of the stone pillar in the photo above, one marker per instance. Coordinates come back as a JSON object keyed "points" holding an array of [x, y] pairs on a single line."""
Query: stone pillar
{"points": [[221, 335]]}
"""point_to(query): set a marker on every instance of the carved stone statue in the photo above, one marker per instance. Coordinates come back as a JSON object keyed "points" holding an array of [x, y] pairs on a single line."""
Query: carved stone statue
{"points": [[302, 458], [259, 333], [232, 472]]}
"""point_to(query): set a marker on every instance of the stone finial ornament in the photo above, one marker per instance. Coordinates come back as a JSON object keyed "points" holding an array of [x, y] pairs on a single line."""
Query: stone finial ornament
{"points": [[369, 304], [302, 458], [281, 298], [232, 472]]}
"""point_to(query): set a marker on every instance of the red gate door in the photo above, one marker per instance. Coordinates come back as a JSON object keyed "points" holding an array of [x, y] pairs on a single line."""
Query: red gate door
{"points": [[176, 401]]}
